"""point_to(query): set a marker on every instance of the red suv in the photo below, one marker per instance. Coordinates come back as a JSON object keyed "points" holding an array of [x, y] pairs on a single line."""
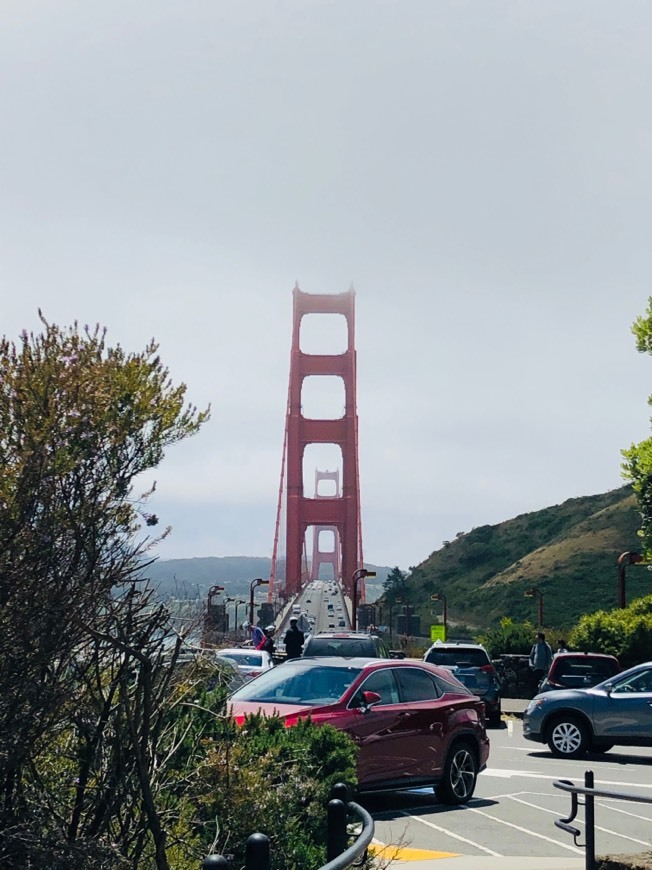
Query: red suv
{"points": [[576, 670], [414, 724]]}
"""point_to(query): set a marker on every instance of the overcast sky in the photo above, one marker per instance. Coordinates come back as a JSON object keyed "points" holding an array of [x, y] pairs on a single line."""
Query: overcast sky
{"points": [[480, 172]]}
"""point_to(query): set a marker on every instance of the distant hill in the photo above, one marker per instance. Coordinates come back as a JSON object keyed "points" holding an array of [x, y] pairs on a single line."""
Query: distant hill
{"points": [[568, 551], [192, 578]]}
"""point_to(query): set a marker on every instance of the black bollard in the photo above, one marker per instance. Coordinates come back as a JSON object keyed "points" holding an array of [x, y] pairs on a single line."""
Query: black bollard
{"points": [[214, 862], [336, 838], [339, 792], [257, 852]]}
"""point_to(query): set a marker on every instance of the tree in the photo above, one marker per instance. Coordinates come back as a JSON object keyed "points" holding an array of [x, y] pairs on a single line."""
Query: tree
{"points": [[79, 422], [637, 464], [395, 585]]}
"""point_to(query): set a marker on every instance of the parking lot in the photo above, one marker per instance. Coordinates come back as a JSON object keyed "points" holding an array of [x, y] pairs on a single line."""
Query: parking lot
{"points": [[515, 805]]}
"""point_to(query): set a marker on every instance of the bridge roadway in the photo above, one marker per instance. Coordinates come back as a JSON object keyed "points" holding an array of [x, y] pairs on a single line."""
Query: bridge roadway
{"points": [[313, 600]]}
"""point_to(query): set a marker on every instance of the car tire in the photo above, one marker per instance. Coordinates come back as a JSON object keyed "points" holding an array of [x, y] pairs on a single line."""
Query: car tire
{"points": [[460, 773], [495, 719], [568, 737], [600, 748]]}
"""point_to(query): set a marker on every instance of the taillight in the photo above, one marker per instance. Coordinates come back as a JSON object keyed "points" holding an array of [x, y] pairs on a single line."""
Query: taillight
{"points": [[488, 669]]}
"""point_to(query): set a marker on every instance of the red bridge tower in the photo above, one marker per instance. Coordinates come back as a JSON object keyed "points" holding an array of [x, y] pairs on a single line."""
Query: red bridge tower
{"points": [[340, 513]]}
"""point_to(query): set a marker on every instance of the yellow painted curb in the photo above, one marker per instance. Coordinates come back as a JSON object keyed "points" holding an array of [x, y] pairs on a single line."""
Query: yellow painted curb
{"points": [[403, 853]]}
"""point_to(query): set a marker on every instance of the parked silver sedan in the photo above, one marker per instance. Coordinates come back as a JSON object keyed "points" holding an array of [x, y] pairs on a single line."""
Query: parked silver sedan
{"points": [[616, 712], [249, 662]]}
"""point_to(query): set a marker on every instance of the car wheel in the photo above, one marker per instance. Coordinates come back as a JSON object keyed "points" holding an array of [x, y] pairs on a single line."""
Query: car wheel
{"points": [[460, 773], [495, 719], [568, 738], [600, 748]]}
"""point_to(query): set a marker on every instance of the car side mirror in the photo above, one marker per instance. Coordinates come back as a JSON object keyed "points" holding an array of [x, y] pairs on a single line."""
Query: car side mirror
{"points": [[608, 687], [369, 699]]}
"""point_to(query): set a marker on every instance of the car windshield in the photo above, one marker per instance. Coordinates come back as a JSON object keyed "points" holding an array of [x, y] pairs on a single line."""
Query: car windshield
{"points": [[461, 658], [341, 646], [253, 660], [293, 684]]}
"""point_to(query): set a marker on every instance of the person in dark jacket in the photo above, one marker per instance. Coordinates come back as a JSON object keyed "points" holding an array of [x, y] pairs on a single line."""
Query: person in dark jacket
{"points": [[267, 644], [293, 640]]}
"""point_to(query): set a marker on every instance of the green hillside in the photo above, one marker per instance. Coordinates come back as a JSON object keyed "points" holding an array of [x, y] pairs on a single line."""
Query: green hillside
{"points": [[568, 551]]}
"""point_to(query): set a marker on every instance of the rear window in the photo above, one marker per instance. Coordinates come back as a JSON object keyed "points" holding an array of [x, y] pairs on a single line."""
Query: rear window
{"points": [[252, 660], [461, 658], [340, 646], [577, 671]]}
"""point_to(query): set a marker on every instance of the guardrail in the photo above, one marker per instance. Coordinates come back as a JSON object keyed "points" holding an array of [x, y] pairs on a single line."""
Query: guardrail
{"points": [[590, 793], [338, 853]]}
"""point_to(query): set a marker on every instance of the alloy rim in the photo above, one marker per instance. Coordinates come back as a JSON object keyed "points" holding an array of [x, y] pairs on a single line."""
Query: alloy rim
{"points": [[566, 737], [462, 773]]}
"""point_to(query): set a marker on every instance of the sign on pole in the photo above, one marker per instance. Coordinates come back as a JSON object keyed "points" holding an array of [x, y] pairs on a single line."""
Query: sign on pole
{"points": [[438, 632]]}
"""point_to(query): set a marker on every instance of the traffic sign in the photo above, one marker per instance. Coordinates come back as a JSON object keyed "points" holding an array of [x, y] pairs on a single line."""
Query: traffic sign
{"points": [[438, 632]]}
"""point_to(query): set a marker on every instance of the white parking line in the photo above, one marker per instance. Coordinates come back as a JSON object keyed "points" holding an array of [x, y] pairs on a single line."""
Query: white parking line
{"points": [[506, 773], [617, 809], [580, 821], [527, 831], [453, 835]]}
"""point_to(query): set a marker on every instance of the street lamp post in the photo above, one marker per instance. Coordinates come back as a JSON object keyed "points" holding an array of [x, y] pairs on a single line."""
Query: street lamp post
{"points": [[254, 583], [227, 601], [623, 560], [537, 593], [441, 597], [357, 575], [237, 626]]}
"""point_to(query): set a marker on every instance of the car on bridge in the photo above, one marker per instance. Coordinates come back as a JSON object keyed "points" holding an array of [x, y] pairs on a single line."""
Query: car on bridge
{"points": [[616, 712], [414, 724]]}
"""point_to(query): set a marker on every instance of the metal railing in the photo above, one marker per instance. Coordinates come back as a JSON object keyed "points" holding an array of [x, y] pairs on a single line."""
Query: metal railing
{"points": [[590, 793], [338, 853]]}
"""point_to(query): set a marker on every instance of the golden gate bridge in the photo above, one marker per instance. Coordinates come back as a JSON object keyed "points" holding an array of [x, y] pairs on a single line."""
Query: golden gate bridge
{"points": [[326, 510]]}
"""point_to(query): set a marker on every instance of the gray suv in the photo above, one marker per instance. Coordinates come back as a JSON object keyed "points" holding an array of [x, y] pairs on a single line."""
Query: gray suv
{"points": [[471, 664], [350, 644]]}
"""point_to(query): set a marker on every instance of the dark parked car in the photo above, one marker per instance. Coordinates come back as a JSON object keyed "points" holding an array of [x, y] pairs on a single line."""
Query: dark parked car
{"points": [[578, 671], [414, 724], [616, 712], [346, 643], [471, 664]]}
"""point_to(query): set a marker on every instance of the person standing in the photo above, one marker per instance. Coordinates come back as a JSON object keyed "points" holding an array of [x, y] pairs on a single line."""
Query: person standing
{"points": [[267, 644], [257, 635], [293, 640], [540, 659]]}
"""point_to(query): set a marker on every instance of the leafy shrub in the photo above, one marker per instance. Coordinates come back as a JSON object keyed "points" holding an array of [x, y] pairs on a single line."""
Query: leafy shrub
{"points": [[626, 633], [267, 778], [510, 638]]}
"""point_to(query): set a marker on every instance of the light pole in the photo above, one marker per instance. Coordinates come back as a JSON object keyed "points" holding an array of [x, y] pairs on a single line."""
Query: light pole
{"points": [[361, 572], [254, 583], [623, 560], [237, 626], [227, 601], [441, 597], [537, 593]]}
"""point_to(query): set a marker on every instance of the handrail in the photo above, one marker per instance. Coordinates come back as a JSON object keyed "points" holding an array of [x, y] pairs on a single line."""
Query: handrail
{"points": [[567, 785], [357, 849], [590, 793]]}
